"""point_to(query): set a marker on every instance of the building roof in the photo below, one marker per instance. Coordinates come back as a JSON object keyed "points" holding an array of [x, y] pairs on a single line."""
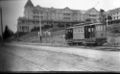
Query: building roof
{"points": [[83, 24], [114, 11], [29, 4], [90, 10]]}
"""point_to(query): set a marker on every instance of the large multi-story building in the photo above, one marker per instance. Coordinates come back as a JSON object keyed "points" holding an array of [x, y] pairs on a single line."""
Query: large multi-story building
{"points": [[34, 15]]}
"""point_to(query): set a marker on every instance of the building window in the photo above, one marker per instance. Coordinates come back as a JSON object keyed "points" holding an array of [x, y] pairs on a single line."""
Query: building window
{"points": [[35, 22], [23, 21], [117, 13], [41, 13], [20, 28], [24, 28], [67, 14], [67, 18], [92, 15], [36, 17], [35, 12], [27, 28], [117, 17], [41, 17]]}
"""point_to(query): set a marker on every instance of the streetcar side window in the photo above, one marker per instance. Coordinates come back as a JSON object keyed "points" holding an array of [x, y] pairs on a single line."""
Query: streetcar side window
{"points": [[92, 29], [81, 29], [99, 28], [89, 30]]}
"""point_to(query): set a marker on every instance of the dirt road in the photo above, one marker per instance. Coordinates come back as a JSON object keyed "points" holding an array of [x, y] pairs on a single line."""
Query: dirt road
{"points": [[21, 57]]}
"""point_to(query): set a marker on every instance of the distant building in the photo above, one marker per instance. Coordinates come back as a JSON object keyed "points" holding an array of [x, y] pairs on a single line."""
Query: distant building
{"points": [[115, 16], [92, 15], [33, 15]]}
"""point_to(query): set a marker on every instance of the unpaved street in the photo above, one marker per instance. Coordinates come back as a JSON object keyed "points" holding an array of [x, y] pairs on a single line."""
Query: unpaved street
{"points": [[22, 57]]}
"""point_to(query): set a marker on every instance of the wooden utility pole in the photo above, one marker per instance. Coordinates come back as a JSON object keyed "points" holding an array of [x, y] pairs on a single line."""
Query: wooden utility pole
{"points": [[106, 27], [40, 34]]}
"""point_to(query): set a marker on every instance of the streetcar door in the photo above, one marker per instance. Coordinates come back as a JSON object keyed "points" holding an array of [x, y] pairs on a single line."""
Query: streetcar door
{"points": [[92, 31], [86, 31], [69, 34], [89, 31]]}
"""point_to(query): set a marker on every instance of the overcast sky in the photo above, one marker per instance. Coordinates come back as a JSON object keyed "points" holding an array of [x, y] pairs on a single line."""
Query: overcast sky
{"points": [[12, 9]]}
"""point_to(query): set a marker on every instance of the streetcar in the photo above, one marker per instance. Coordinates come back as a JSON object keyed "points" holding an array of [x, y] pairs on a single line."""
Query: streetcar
{"points": [[86, 34]]}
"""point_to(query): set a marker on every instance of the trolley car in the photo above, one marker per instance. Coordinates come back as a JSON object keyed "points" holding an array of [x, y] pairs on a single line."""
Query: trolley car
{"points": [[87, 34]]}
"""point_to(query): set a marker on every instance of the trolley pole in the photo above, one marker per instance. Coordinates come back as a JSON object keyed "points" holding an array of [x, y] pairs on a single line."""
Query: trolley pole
{"points": [[106, 24], [106, 21], [40, 30]]}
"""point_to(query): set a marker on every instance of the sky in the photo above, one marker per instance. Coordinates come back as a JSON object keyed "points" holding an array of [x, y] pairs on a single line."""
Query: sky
{"points": [[12, 9]]}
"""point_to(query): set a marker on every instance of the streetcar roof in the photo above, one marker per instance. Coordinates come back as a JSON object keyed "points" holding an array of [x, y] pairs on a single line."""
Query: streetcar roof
{"points": [[83, 24]]}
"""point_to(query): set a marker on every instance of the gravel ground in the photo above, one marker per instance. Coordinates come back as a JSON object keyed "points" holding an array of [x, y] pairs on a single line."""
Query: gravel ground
{"points": [[34, 60]]}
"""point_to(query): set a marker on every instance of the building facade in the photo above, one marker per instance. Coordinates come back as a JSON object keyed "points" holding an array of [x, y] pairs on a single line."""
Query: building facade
{"points": [[34, 15]]}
